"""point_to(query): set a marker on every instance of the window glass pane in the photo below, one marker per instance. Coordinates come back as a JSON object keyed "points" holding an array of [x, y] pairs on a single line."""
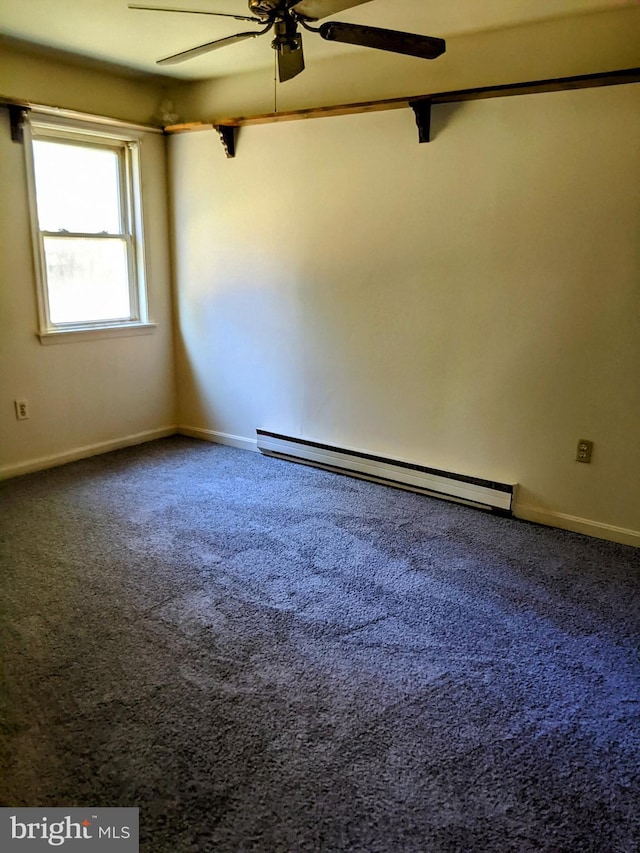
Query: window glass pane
{"points": [[88, 279], [77, 188]]}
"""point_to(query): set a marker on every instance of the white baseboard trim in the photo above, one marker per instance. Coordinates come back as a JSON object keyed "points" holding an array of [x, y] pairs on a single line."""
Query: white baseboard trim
{"points": [[56, 459], [219, 437], [622, 535], [597, 529]]}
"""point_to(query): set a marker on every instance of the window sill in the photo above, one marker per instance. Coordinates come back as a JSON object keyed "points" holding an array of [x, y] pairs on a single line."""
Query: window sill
{"points": [[87, 333]]}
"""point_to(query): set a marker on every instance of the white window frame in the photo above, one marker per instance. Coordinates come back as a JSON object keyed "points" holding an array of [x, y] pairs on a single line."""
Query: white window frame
{"points": [[126, 144]]}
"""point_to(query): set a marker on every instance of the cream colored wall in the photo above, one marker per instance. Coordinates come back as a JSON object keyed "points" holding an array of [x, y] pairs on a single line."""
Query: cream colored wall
{"points": [[471, 304], [84, 396], [563, 47], [44, 78]]}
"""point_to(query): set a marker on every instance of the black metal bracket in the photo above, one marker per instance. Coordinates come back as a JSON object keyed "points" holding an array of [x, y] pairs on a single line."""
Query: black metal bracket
{"points": [[227, 134], [17, 116], [422, 110]]}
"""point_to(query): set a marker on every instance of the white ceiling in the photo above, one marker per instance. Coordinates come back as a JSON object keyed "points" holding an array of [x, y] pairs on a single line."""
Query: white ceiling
{"points": [[107, 30]]}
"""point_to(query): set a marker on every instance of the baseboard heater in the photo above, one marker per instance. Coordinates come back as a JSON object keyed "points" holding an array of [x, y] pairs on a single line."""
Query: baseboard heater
{"points": [[473, 491]]}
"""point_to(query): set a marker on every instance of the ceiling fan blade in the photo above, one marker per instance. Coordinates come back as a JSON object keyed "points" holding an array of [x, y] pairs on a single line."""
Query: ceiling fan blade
{"points": [[193, 12], [411, 44], [314, 9], [290, 59], [211, 45]]}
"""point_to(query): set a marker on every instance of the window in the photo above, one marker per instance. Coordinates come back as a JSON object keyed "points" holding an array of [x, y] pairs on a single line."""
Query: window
{"points": [[87, 229]]}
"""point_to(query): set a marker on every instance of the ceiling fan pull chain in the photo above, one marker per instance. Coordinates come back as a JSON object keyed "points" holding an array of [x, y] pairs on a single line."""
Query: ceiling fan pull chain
{"points": [[275, 82]]}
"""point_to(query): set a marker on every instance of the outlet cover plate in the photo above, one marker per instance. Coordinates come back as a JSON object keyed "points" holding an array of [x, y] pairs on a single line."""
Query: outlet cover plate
{"points": [[585, 449]]}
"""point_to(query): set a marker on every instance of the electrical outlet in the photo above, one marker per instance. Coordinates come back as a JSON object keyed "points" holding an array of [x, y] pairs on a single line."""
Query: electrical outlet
{"points": [[585, 449], [22, 409]]}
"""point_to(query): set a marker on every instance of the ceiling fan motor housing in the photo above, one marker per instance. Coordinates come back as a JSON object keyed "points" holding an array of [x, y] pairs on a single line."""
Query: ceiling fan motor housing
{"points": [[264, 8], [287, 37]]}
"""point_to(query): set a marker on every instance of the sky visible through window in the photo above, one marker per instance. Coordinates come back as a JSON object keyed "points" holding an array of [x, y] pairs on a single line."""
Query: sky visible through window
{"points": [[78, 191], [78, 188]]}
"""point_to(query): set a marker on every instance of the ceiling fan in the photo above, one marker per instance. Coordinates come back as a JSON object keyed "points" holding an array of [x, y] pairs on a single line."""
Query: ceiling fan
{"points": [[284, 16]]}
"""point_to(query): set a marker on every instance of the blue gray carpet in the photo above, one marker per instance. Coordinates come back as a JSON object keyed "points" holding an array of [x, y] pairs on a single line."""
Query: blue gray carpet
{"points": [[268, 657]]}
